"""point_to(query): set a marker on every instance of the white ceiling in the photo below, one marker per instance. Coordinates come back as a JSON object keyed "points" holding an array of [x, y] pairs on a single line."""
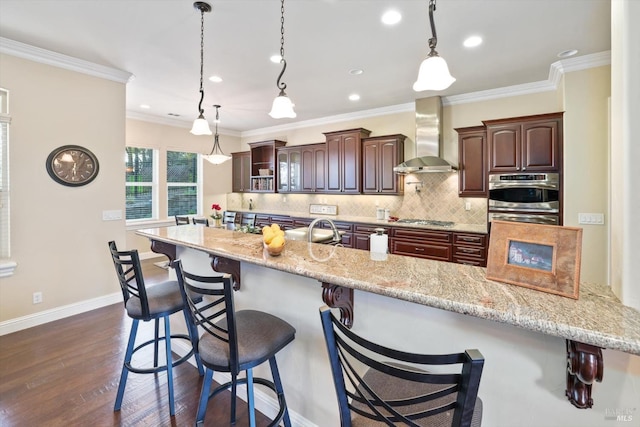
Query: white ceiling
{"points": [[159, 43]]}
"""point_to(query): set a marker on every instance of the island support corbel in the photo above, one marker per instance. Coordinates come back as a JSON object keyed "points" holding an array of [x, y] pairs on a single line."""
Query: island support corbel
{"points": [[584, 366], [341, 298]]}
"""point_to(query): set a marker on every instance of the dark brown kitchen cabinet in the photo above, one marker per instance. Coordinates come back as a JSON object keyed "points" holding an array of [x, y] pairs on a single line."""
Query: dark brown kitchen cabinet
{"points": [[313, 168], [289, 169], [241, 172], [344, 160], [472, 162], [264, 171], [345, 228], [470, 248], [525, 144], [428, 244], [379, 156], [362, 235]]}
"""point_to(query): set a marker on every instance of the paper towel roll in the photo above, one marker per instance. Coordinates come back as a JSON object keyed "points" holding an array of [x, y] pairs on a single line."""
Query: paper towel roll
{"points": [[379, 243]]}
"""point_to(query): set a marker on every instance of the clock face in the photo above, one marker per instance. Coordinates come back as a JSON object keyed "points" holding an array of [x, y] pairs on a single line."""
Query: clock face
{"points": [[72, 165]]}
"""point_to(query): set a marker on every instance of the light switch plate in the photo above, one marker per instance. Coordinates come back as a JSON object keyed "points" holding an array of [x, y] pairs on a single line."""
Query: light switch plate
{"points": [[591, 218], [113, 215], [323, 209]]}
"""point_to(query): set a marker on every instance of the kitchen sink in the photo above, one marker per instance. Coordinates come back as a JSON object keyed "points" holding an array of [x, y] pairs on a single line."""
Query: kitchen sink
{"points": [[319, 235], [426, 222]]}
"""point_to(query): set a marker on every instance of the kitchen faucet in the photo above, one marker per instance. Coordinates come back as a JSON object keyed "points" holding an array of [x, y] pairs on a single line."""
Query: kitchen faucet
{"points": [[336, 234]]}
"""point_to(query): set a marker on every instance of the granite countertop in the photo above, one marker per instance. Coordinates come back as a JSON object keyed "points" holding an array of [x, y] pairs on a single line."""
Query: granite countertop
{"points": [[597, 317], [460, 227]]}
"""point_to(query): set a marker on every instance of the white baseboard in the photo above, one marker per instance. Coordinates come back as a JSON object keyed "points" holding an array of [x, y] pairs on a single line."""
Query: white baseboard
{"points": [[264, 402], [42, 317]]}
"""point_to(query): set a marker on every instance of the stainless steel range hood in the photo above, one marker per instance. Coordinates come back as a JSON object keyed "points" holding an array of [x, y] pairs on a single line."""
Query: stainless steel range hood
{"points": [[428, 140]]}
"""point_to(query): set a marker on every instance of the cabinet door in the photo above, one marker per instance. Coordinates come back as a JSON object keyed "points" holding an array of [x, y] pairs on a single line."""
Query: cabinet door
{"points": [[352, 150], [308, 169], [370, 166], [504, 148], [540, 146], [295, 170], [320, 159], [472, 157], [334, 164], [241, 170], [283, 171], [388, 179]]}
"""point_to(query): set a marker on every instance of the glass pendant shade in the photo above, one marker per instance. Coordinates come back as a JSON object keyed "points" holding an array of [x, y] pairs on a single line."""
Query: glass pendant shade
{"points": [[216, 159], [433, 75], [200, 126], [282, 107]]}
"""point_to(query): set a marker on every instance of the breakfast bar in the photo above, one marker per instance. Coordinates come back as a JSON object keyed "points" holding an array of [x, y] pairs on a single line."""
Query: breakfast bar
{"points": [[398, 285]]}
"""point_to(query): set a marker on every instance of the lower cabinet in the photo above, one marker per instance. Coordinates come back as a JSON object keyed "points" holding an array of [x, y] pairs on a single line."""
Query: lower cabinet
{"points": [[428, 244], [470, 248], [362, 235]]}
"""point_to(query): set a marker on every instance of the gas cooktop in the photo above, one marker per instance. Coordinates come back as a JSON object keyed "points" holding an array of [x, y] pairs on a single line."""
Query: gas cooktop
{"points": [[426, 222]]}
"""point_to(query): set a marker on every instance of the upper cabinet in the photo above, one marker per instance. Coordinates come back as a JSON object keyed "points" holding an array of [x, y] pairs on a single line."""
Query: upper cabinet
{"points": [[289, 170], [379, 156], [344, 160], [241, 172], [264, 173], [314, 160], [522, 144], [472, 162]]}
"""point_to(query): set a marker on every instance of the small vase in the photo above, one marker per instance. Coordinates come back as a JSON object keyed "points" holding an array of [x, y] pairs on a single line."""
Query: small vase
{"points": [[218, 222]]}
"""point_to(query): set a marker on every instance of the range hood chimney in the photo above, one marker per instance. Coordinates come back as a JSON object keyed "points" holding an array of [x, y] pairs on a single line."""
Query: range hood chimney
{"points": [[428, 140]]}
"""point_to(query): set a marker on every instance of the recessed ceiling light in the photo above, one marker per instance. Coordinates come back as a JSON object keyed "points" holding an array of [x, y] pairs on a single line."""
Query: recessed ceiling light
{"points": [[472, 41], [145, 106], [356, 72], [391, 17], [275, 59], [215, 79], [567, 53], [354, 97]]}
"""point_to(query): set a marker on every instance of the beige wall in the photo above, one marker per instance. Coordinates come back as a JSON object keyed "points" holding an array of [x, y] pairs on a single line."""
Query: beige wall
{"points": [[58, 237], [586, 164]]}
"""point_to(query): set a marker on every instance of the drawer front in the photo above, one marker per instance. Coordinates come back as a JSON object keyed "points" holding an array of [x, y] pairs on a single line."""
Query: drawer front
{"points": [[478, 262], [262, 220], [285, 222], [440, 252], [469, 251], [368, 229], [469, 239], [420, 236], [301, 222], [342, 226]]}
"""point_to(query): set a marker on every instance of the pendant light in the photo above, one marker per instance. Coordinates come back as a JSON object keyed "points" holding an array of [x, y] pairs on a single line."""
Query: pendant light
{"points": [[282, 106], [200, 125], [216, 156], [434, 73]]}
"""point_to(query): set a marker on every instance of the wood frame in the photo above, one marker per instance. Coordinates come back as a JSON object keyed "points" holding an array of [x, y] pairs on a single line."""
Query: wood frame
{"points": [[541, 257]]}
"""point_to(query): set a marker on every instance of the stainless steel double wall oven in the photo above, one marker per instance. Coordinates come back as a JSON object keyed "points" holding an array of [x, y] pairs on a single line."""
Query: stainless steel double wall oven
{"points": [[525, 197]]}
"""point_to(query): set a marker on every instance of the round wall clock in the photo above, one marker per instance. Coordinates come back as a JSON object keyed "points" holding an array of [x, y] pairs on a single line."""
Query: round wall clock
{"points": [[72, 165]]}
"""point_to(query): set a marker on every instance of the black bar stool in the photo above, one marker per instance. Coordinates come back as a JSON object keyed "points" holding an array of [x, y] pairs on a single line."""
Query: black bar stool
{"points": [[233, 341], [146, 304], [182, 220], [379, 386]]}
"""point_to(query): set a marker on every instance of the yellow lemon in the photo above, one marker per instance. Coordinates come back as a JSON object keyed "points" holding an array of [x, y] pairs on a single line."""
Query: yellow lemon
{"points": [[275, 227], [277, 242], [266, 229]]}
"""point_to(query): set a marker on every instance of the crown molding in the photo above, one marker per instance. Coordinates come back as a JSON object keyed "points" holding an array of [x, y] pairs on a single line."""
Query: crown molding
{"points": [[44, 56], [170, 121], [374, 112]]}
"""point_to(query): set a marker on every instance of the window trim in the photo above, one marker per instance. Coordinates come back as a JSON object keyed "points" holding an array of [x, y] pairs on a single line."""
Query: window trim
{"points": [[155, 153], [7, 266]]}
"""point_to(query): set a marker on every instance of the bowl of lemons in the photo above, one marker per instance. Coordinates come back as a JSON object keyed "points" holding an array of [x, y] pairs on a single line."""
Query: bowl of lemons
{"points": [[273, 239]]}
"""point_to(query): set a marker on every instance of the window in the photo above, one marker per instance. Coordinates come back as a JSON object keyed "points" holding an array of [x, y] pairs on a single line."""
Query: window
{"points": [[183, 176], [5, 119], [141, 191]]}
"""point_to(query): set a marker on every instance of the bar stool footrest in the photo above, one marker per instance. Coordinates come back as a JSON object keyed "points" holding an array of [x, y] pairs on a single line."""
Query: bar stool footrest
{"points": [[161, 368]]}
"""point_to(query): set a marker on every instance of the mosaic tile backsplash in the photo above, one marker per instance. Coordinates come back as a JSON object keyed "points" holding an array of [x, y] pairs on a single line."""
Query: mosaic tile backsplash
{"points": [[437, 200]]}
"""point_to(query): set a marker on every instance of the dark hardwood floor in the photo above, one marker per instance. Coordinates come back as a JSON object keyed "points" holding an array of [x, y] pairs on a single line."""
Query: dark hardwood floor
{"points": [[66, 373]]}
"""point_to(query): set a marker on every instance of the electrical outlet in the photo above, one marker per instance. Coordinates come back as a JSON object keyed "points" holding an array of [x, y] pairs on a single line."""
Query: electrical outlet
{"points": [[467, 206], [37, 297]]}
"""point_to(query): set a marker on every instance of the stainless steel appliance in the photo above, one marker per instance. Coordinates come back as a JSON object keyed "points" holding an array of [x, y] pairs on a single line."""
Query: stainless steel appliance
{"points": [[525, 197]]}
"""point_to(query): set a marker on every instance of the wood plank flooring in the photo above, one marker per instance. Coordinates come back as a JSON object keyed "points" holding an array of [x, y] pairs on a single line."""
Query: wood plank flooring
{"points": [[66, 373]]}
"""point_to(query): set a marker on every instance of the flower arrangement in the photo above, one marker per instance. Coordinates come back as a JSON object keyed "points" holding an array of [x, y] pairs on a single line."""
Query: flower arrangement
{"points": [[216, 211]]}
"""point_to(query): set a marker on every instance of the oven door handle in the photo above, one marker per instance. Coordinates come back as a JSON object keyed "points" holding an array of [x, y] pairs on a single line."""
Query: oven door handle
{"points": [[537, 219], [522, 184]]}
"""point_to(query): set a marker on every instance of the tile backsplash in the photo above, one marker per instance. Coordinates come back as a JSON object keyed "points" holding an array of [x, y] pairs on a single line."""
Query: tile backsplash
{"points": [[437, 200]]}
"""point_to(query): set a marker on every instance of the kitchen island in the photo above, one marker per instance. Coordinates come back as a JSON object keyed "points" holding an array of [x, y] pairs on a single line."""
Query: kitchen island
{"points": [[388, 298]]}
